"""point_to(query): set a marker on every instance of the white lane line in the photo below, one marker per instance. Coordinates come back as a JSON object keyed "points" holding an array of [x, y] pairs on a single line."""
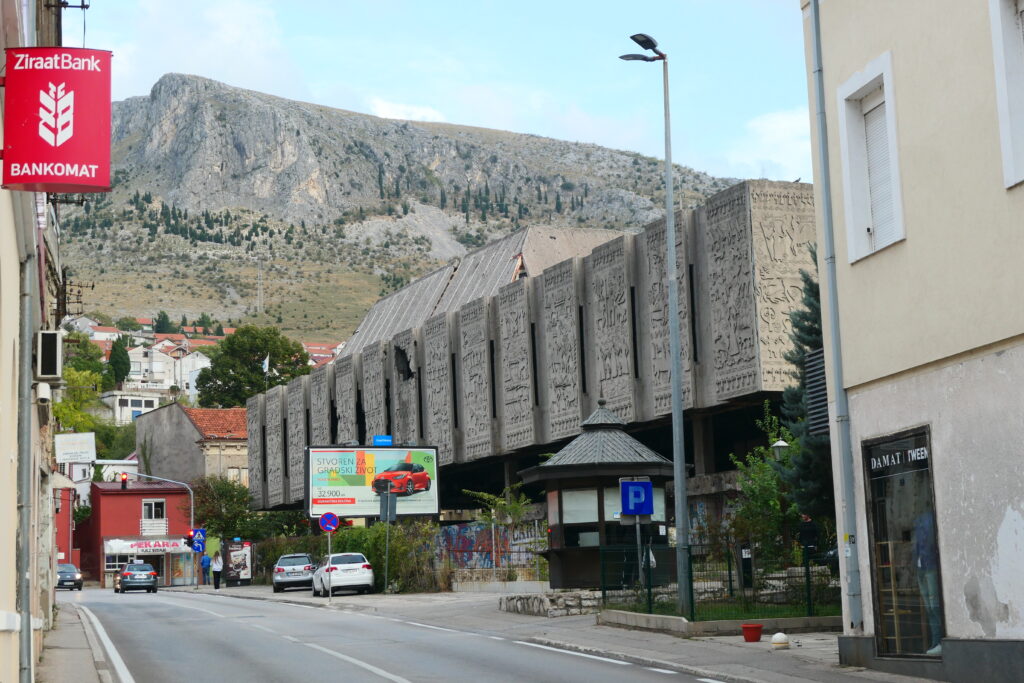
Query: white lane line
{"points": [[263, 628], [495, 637], [200, 609], [436, 628], [575, 654], [123, 674], [666, 671], [352, 660], [710, 680], [291, 638]]}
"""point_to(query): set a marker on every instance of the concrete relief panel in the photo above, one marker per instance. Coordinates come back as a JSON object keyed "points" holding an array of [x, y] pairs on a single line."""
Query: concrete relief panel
{"points": [[731, 293], [610, 331], [297, 398], [475, 379], [345, 400], [437, 388], [375, 392], [654, 317], [405, 380], [782, 217], [257, 465], [561, 380], [275, 445], [321, 390], [515, 366]]}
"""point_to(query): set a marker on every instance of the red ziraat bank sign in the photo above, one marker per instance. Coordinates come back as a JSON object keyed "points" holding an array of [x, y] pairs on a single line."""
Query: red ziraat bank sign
{"points": [[57, 120]]}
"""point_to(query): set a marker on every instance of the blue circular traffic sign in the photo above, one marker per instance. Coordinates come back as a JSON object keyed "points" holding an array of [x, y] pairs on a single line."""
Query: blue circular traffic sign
{"points": [[329, 521]]}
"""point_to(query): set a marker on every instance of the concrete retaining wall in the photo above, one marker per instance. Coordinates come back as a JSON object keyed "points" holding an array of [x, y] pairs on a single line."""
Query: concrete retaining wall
{"points": [[685, 628]]}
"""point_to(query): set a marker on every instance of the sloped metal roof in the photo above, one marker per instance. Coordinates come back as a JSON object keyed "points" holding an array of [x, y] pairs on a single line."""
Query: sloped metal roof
{"points": [[477, 274], [603, 442]]}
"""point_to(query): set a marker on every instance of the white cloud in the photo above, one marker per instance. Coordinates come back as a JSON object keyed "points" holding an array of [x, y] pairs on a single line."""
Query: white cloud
{"points": [[776, 145], [405, 112]]}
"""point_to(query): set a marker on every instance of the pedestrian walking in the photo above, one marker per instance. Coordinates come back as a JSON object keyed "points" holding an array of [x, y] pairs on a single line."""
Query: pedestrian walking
{"points": [[217, 565], [204, 564]]}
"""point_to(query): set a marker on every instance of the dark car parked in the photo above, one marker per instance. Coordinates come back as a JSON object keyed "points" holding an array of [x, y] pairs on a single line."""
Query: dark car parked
{"points": [[134, 577], [69, 577]]}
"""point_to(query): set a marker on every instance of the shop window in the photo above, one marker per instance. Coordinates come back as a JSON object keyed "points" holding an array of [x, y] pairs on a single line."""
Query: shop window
{"points": [[905, 566], [113, 562], [579, 506]]}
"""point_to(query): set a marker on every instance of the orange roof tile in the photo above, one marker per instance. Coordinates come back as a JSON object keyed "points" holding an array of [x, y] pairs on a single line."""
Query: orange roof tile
{"points": [[169, 335], [218, 423], [103, 328]]}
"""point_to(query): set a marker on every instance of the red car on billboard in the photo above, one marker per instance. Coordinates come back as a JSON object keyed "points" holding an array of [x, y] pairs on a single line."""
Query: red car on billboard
{"points": [[402, 477]]}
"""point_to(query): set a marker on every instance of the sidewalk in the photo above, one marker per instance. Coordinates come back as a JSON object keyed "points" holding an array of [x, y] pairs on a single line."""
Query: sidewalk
{"points": [[811, 657], [71, 651]]}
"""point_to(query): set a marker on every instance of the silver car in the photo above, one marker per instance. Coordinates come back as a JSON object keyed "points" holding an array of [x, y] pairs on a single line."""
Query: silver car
{"points": [[293, 571]]}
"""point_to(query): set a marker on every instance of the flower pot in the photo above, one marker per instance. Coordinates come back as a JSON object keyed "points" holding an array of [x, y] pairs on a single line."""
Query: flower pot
{"points": [[752, 632]]}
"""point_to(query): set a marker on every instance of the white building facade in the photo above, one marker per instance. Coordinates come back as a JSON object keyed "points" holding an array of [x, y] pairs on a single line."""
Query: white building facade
{"points": [[924, 105]]}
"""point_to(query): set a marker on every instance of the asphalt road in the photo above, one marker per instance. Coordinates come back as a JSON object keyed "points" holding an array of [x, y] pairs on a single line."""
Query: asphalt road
{"points": [[176, 636]]}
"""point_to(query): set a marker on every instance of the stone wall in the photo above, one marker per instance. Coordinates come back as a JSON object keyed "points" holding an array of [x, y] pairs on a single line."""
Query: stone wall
{"points": [[520, 368]]}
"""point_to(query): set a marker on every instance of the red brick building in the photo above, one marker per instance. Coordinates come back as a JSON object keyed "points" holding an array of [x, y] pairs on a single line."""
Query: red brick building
{"points": [[144, 522]]}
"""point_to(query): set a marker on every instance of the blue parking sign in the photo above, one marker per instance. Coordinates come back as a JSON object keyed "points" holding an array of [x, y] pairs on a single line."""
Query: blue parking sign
{"points": [[637, 497]]}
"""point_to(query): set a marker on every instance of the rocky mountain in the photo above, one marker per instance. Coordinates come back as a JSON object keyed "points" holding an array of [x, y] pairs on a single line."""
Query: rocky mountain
{"points": [[222, 182]]}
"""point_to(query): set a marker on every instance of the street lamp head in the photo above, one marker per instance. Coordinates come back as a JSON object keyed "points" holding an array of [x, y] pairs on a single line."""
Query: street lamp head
{"points": [[644, 41], [636, 58], [778, 448]]}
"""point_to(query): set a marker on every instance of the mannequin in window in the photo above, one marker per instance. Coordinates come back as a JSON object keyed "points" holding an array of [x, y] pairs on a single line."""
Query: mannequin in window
{"points": [[926, 563]]}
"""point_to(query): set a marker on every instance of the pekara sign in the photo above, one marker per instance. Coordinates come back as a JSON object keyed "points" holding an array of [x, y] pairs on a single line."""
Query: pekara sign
{"points": [[57, 120], [348, 481], [125, 546]]}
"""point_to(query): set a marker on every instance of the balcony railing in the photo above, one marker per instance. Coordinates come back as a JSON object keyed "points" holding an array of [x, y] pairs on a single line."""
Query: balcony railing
{"points": [[152, 527]]}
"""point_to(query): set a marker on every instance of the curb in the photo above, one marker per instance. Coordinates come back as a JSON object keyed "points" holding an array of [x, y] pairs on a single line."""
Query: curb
{"points": [[646, 661], [99, 655]]}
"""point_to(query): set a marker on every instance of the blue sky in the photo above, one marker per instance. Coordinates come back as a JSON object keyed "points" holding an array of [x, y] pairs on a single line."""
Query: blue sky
{"points": [[738, 80]]}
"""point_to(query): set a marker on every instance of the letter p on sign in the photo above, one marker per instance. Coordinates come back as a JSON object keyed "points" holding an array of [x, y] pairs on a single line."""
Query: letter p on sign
{"points": [[637, 497]]}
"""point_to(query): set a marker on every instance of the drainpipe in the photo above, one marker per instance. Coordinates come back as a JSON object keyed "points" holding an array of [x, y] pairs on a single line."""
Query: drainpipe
{"points": [[24, 544], [852, 568]]}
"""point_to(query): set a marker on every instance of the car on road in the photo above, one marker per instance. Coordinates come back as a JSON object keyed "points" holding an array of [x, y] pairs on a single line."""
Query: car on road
{"points": [[350, 571], [135, 577], [69, 577], [291, 571], [402, 477]]}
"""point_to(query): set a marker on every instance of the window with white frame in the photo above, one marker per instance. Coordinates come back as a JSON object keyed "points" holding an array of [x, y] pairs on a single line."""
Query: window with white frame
{"points": [[1007, 19], [870, 160], [153, 509]]}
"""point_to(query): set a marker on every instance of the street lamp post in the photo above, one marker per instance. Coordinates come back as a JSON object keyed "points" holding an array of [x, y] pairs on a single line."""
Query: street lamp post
{"points": [[191, 514], [683, 602]]}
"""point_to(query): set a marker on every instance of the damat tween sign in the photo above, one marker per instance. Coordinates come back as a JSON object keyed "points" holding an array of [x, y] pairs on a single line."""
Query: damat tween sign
{"points": [[57, 120]]}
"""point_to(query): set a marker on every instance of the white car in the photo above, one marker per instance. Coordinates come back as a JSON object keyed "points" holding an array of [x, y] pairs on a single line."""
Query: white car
{"points": [[343, 570]]}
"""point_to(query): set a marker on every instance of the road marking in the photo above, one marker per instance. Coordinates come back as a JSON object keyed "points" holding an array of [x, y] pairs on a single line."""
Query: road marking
{"points": [[495, 637], [263, 628], [123, 674], [436, 628], [575, 654], [352, 660], [710, 680], [666, 671], [291, 638], [174, 604]]}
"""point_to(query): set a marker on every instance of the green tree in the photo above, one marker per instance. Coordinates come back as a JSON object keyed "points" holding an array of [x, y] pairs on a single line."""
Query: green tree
{"points": [[127, 323], [163, 324], [82, 354], [809, 472], [236, 366], [221, 506], [119, 362], [506, 509], [763, 515], [81, 393], [114, 442]]}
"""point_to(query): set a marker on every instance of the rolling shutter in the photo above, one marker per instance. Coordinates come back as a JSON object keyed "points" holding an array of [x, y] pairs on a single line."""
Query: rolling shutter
{"points": [[883, 221]]}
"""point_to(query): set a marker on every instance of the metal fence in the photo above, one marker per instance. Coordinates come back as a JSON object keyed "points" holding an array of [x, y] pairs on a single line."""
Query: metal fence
{"points": [[500, 565], [727, 582]]}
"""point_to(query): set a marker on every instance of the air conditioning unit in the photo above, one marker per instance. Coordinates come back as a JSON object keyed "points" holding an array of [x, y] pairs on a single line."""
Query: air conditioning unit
{"points": [[49, 355]]}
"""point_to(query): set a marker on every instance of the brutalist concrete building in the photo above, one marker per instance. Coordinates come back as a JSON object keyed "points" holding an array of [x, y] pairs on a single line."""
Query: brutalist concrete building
{"points": [[497, 359]]}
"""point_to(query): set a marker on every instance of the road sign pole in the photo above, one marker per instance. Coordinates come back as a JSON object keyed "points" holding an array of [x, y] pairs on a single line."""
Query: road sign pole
{"points": [[639, 554], [387, 552], [330, 583]]}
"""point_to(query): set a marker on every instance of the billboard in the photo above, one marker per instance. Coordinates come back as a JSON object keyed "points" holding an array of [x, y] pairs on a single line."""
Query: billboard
{"points": [[75, 447], [57, 120], [348, 480]]}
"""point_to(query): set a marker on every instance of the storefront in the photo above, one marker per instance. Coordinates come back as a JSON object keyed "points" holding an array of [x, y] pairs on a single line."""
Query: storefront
{"points": [[170, 557], [906, 581]]}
